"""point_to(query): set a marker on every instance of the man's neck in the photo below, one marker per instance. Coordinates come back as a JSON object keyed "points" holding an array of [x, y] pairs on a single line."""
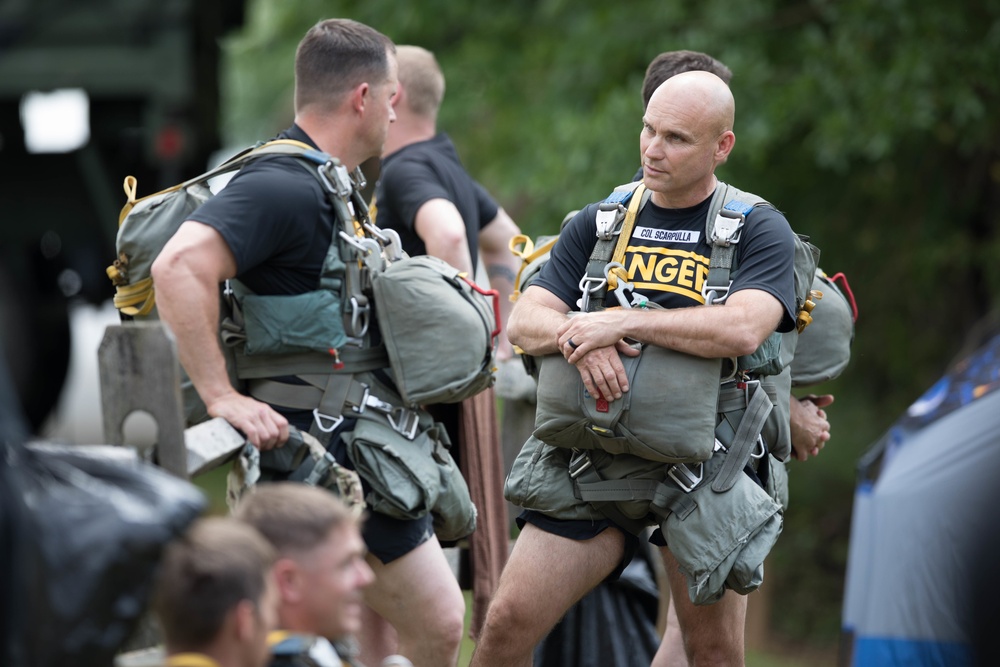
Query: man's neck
{"points": [[408, 129], [331, 138], [689, 197]]}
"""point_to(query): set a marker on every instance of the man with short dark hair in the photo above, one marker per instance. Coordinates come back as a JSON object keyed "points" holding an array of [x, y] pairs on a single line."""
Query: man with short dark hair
{"points": [[272, 228], [669, 63], [215, 597]]}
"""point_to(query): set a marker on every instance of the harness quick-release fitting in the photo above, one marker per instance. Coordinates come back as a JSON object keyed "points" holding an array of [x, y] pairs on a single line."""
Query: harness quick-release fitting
{"points": [[611, 214]]}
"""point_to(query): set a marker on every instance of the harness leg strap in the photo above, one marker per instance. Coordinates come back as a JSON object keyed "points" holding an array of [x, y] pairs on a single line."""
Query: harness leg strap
{"points": [[758, 408]]}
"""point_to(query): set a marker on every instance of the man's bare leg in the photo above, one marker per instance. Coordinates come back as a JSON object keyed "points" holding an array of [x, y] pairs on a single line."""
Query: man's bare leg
{"points": [[545, 575], [419, 595], [712, 634], [377, 638], [671, 652]]}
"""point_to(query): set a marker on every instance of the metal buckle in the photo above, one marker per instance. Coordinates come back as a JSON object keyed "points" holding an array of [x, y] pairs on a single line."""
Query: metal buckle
{"points": [[760, 449], [608, 213], [326, 423], [599, 284], [394, 246], [360, 312], [685, 476], [406, 424], [728, 226], [359, 178], [578, 463], [373, 402], [714, 294], [339, 181]]}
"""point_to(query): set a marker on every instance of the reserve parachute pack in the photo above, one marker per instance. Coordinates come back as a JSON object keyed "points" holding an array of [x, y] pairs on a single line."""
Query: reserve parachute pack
{"points": [[358, 354]]}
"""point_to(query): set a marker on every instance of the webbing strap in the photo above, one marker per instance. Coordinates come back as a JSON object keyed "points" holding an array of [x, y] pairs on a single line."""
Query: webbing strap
{"points": [[595, 281], [663, 499], [276, 147], [732, 398], [609, 509], [355, 360], [639, 199], [330, 398], [727, 213], [758, 408], [528, 253]]}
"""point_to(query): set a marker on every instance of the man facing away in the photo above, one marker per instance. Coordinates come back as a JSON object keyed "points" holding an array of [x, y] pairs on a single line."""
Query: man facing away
{"points": [[426, 195], [215, 596], [320, 570], [271, 227], [566, 546]]}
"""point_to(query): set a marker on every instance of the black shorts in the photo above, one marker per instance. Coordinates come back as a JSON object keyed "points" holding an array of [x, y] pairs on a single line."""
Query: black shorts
{"points": [[581, 530], [388, 539]]}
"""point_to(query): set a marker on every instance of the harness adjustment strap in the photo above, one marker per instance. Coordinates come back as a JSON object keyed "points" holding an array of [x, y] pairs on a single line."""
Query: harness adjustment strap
{"points": [[745, 441]]}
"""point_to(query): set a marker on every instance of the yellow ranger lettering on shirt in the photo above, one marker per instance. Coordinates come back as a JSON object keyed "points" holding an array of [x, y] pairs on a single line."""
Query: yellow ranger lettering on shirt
{"points": [[667, 270]]}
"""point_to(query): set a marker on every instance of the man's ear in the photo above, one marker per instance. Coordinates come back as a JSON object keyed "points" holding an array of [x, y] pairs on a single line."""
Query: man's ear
{"points": [[288, 578], [245, 620], [725, 145], [360, 96]]}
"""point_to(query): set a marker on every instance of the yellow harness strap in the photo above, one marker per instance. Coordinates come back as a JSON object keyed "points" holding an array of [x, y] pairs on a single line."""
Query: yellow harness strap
{"points": [[190, 660], [623, 238], [527, 254]]}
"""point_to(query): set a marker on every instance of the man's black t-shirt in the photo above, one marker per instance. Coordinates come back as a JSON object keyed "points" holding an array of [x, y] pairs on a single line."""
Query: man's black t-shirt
{"points": [[667, 257], [427, 170], [277, 221]]}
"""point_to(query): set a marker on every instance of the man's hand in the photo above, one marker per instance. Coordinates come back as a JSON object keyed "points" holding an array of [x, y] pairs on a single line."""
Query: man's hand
{"points": [[590, 331], [263, 427], [592, 342], [810, 429]]}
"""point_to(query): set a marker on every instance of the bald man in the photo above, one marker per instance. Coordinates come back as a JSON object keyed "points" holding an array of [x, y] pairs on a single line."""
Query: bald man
{"points": [[566, 545]]}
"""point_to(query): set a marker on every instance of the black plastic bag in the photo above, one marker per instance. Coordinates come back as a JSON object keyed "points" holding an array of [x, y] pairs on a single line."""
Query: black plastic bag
{"points": [[93, 525], [614, 624]]}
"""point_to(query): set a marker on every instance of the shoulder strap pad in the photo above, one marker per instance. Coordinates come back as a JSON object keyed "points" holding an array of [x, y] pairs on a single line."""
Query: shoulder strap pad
{"points": [[723, 228]]}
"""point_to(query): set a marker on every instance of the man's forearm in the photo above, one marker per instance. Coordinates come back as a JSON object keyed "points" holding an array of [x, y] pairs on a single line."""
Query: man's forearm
{"points": [[191, 309], [533, 327]]}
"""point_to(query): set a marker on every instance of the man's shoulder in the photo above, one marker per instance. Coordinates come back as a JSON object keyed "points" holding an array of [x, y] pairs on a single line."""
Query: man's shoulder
{"points": [[302, 650], [278, 178]]}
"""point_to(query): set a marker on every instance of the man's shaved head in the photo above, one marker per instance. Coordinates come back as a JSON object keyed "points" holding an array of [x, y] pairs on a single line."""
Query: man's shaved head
{"points": [[703, 94]]}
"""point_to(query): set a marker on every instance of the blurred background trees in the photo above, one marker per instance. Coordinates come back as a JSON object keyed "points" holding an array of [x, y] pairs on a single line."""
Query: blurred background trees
{"points": [[870, 123]]}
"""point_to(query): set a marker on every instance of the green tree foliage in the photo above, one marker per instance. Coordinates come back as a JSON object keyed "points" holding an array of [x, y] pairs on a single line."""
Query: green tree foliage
{"points": [[871, 123]]}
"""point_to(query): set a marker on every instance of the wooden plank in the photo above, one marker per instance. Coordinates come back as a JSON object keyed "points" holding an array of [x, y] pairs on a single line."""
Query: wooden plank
{"points": [[139, 371]]}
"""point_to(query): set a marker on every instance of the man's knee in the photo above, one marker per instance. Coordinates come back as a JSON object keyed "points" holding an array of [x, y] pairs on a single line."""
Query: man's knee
{"points": [[716, 638], [450, 625]]}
